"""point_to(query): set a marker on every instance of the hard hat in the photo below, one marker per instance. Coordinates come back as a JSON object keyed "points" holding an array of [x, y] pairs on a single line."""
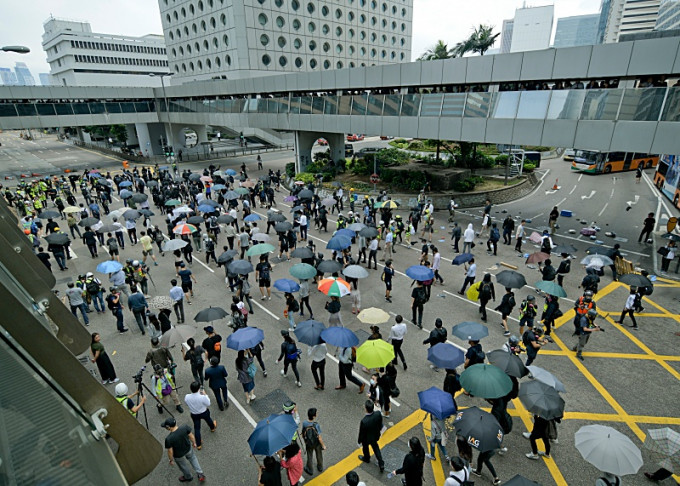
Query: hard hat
{"points": [[289, 406], [129, 260], [89, 274], [588, 294], [135, 263], [531, 297], [592, 313], [121, 389], [350, 213], [513, 340]]}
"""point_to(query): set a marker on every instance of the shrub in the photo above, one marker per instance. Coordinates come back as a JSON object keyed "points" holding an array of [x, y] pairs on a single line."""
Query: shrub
{"points": [[467, 185], [305, 177], [537, 148], [529, 167], [502, 159], [322, 156], [290, 169]]}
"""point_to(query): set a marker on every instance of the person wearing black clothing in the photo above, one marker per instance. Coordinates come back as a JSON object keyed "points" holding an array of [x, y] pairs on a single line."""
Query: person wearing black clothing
{"points": [[216, 375], [455, 236], [486, 293], [452, 384], [369, 434], [418, 299], [90, 239], [387, 382], [212, 344], [270, 473], [388, 273], [412, 467], [614, 255], [647, 227], [45, 258], [540, 431], [289, 355], [437, 335], [508, 228], [548, 271], [564, 268], [474, 354], [552, 311], [505, 308]]}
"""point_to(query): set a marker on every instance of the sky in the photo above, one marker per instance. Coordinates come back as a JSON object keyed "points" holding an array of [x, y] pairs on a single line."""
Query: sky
{"points": [[448, 20]]}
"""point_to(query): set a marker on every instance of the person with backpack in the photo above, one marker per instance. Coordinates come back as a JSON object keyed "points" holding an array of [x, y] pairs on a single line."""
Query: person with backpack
{"points": [[116, 308], [532, 342], [486, 293], [194, 355], [437, 335], [470, 274], [474, 354], [346, 359], [112, 246], [527, 312], [263, 277], [494, 237], [584, 327], [290, 355], [548, 271], [551, 311], [438, 438], [460, 475], [311, 433], [94, 289], [216, 376], [546, 243], [609, 479], [591, 280], [333, 307], [583, 304], [418, 299], [505, 308], [243, 291], [563, 268], [246, 373]]}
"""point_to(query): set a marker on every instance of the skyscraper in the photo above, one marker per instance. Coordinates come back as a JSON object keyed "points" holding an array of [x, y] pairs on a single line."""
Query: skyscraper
{"points": [[629, 17], [24, 76], [506, 35], [580, 30], [45, 79], [532, 28], [7, 77], [669, 15]]}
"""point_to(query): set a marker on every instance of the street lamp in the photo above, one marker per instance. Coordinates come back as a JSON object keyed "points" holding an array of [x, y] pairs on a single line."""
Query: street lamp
{"points": [[17, 49], [171, 155]]}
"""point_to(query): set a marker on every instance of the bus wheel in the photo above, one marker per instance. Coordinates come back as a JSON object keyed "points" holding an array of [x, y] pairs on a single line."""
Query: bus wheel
{"points": [[607, 169], [649, 164]]}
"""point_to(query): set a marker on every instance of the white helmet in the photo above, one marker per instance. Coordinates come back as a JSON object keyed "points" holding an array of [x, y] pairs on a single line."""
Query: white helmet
{"points": [[350, 213], [135, 263], [89, 274], [121, 389]]}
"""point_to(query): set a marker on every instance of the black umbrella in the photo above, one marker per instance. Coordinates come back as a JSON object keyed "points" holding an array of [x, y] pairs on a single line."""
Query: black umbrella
{"points": [[480, 429], [568, 249], [635, 280], [302, 252], [146, 212], [211, 314], [195, 220], [231, 195], [57, 239], [305, 194], [329, 266], [265, 178], [511, 279], [541, 399], [227, 256], [297, 208], [194, 177], [225, 219], [131, 214], [671, 236], [107, 228], [139, 198], [520, 480], [49, 214], [152, 183], [600, 250], [508, 362], [368, 232], [240, 267], [88, 222], [276, 217], [283, 227]]}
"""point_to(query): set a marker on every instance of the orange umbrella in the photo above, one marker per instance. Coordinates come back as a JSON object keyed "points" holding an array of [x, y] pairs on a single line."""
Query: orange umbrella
{"points": [[537, 257], [334, 287]]}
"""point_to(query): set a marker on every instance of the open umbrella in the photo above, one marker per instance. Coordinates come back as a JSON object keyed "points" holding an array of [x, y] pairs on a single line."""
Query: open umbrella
{"points": [[227, 256], [345, 232], [470, 331], [519, 480], [125, 194], [302, 252], [544, 376], [664, 444], [541, 399], [276, 217], [231, 195], [139, 197], [230, 172], [303, 271], [210, 314], [57, 239], [262, 237], [511, 279], [219, 187], [338, 243], [131, 214], [272, 434], [172, 245], [538, 257], [109, 266], [390, 204], [286, 285], [341, 337], [297, 209], [608, 449], [420, 273], [373, 315], [125, 184], [309, 332], [194, 177], [206, 208], [242, 191], [445, 355], [152, 183], [375, 353], [260, 249], [173, 202], [195, 220], [567, 249], [71, 209], [329, 266], [290, 199], [485, 381], [368, 232], [328, 202], [551, 288], [508, 362], [355, 271], [334, 287], [252, 217], [462, 258], [206, 179], [635, 280], [146, 212], [160, 302], [356, 227], [176, 335], [597, 260], [671, 236], [107, 228], [437, 402], [240, 267], [184, 229], [85, 222], [245, 338], [479, 429], [283, 226], [49, 214], [225, 219], [210, 202], [305, 194], [600, 250]]}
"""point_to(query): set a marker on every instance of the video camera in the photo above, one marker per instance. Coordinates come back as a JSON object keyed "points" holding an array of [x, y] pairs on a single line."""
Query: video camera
{"points": [[138, 377]]}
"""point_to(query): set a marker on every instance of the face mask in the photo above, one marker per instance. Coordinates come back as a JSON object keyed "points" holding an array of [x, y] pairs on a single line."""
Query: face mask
{"points": [[372, 382]]}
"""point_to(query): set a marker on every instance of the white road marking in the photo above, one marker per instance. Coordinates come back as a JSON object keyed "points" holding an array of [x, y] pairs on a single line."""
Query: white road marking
{"points": [[243, 411], [427, 331], [206, 266], [572, 191], [612, 194], [580, 177], [264, 309], [603, 209], [559, 203], [592, 193]]}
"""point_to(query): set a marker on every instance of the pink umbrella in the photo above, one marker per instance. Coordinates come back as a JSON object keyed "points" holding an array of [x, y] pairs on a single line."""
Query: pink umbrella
{"points": [[206, 179], [290, 199]]}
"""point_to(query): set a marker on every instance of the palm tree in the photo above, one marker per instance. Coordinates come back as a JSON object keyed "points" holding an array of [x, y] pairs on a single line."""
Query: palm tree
{"points": [[481, 39], [439, 51]]}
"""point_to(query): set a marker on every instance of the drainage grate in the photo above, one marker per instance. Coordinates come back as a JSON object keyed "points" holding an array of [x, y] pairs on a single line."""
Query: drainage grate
{"points": [[269, 404]]}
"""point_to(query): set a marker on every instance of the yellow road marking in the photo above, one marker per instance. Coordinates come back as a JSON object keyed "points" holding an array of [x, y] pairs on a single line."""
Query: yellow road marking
{"points": [[437, 466], [98, 153], [603, 354]]}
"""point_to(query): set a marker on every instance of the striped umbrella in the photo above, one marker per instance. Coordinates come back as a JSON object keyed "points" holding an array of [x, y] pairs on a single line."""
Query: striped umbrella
{"points": [[184, 229], [334, 287]]}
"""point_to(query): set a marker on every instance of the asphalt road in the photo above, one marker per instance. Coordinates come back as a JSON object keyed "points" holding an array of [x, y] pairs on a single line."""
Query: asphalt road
{"points": [[599, 390]]}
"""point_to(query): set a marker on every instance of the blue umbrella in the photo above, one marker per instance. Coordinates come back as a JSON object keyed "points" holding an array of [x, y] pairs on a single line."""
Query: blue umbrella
{"points": [[109, 266], [125, 194], [231, 195], [252, 217], [437, 402], [219, 187], [94, 207], [245, 338], [309, 332], [339, 336], [163, 167], [230, 172], [470, 331], [445, 355], [125, 184], [210, 202], [286, 285], [96, 175], [339, 243], [345, 232], [420, 273], [462, 258], [206, 208], [272, 434]]}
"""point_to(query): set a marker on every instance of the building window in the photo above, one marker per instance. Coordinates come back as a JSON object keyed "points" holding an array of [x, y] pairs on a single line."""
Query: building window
{"points": [[279, 3], [373, 52], [362, 34], [338, 31], [298, 62], [374, 21], [210, 3], [282, 42], [351, 64], [184, 13], [297, 43], [324, 11], [181, 50], [296, 24], [394, 25], [295, 4], [338, 13], [266, 60], [261, 2], [338, 48], [374, 4], [174, 52], [168, 19], [199, 64], [351, 33], [383, 38], [203, 25], [189, 48], [264, 39], [225, 40], [262, 18], [227, 58], [206, 45], [384, 23], [350, 16], [174, 14], [191, 9], [403, 27], [280, 22], [351, 49], [394, 10], [184, 68], [402, 41], [326, 64], [325, 29], [223, 19], [310, 7], [393, 55], [374, 36], [213, 23], [403, 12], [312, 45], [216, 43], [339, 65], [191, 67], [312, 63], [326, 47], [200, 6], [283, 61], [362, 18], [208, 63], [176, 68], [194, 28], [401, 56], [311, 27]]}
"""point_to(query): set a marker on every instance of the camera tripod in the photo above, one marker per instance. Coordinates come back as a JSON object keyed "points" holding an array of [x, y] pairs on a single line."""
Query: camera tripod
{"points": [[140, 387]]}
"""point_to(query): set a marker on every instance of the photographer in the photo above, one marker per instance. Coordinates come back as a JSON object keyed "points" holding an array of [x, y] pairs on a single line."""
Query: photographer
{"points": [[126, 400], [160, 355], [116, 308]]}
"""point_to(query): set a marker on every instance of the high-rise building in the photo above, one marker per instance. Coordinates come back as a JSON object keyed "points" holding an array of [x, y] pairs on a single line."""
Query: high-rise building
{"points": [[580, 30], [244, 38], [45, 79], [7, 77], [532, 28], [630, 17], [80, 57], [506, 35], [669, 15], [24, 76], [605, 8]]}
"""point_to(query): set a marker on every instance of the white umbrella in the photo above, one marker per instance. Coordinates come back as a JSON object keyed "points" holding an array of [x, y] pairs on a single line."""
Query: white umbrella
{"points": [[665, 446], [175, 244], [608, 450], [596, 260], [177, 334], [355, 271], [262, 237]]}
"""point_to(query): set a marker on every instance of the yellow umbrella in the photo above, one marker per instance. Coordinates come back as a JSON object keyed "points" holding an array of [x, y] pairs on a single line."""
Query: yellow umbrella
{"points": [[375, 353], [373, 315], [473, 291], [71, 209]]}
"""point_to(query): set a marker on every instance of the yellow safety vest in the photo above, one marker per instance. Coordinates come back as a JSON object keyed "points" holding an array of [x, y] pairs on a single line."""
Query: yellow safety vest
{"points": [[123, 401]]}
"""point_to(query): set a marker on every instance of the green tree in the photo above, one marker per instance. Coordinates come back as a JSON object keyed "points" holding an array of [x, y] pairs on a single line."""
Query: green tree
{"points": [[438, 51], [481, 39], [119, 132]]}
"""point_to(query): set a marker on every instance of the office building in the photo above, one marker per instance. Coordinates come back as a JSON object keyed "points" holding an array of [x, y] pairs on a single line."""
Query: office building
{"points": [[630, 17], [669, 15], [605, 8], [532, 28], [45, 79], [243, 38], [79, 57], [24, 76], [7, 77], [580, 30], [506, 36]]}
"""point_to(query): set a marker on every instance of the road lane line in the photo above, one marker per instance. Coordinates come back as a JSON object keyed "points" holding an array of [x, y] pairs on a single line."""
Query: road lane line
{"points": [[602, 210], [359, 377], [243, 411], [572, 191], [264, 309]]}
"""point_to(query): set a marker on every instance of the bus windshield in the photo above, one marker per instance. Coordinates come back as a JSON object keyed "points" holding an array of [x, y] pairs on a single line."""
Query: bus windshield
{"points": [[587, 157]]}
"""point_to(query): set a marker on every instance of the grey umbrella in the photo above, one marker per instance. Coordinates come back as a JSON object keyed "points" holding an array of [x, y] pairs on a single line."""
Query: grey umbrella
{"points": [[231, 195], [302, 252], [480, 429], [297, 209], [541, 399], [546, 377], [152, 183], [146, 212], [356, 227], [139, 198], [329, 266], [600, 250], [511, 279], [107, 228], [88, 222], [470, 331], [195, 220], [177, 335], [671, 236], [240, 267], [57, 239], [227, 256], [210, 202], [262, 237], [225, 219], [368, 232], [194, 177], [50, 214], [355, 271], [508, 362], [176, 244], [131, 214], [568, 249], [276, 217], [305, 194], [283, 227]]}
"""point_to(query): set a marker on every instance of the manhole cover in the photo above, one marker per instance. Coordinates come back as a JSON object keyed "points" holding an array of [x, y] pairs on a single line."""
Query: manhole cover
{"points": [[271, 403]]}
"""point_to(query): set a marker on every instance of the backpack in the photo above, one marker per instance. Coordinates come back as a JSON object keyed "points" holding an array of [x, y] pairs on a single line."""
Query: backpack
{"points": [[92, 287], [485, 291], [495, 234], [311, 436], [546, 247], [421, 296], [479, 356], [158, 236], [264, 273], [511, 301], [291, 352], [565, 266], [466, 481], [382, 277], [549, 273], [113, 245], [109, 302], [441, 334], [294, 306], [609, 483], [526, 338]]}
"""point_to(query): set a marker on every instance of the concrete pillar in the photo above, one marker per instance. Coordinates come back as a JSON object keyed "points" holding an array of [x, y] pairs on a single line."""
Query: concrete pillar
{"points": [[201, 133], [132, 139], [303, 149], [150, 136], [336, 143]]}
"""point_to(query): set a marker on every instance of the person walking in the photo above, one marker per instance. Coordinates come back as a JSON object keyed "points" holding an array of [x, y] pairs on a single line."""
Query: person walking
{"points": [[669, 256], [311, 433], [585, 326], [387, 248], [439, 438], [470, 274], [484, 458], [102, 360], [437, 335], [186, 276], [147, 247], [552, 219], [436, 264], [396, 338], [412, 466], [387, 275], [648, 226], [505, 308], [270, 472], [508, 228], [180, 444], [519, 236], [551, 311], [629, 308], [159, 355], [455, 236], [163, 386], [539, 431], [373, 253], [212, 343], [533, 342], [304, 298], [194, 355], [291, 461], [418, 299], [263, 277], [90, 239], [333, 307], [564, 268], [486, 292], [216, 375], [246, 374], [292, 307], [474, 355], [318, 355], [198, 403], [345, 366], [290, 355], [177, 296], [75, 299], [527, 312], [138, 305], [468, 239], [370, 430], [494, 237]]}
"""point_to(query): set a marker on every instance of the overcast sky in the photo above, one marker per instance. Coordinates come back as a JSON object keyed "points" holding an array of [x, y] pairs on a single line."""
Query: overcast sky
{"points": [[449, 20]]}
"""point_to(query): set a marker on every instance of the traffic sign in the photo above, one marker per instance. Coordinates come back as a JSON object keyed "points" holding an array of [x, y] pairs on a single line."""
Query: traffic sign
{"points": [[375, 178]]}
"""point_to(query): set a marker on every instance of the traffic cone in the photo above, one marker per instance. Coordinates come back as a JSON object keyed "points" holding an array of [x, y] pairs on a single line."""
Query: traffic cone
{"points": [[555, 187]]}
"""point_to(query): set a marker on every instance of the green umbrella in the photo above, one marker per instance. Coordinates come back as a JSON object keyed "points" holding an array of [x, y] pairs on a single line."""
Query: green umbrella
{"points": [[260, 249], [303, 271], [375, 353], [485, 381], [241, 190], [173, 202], [550, 288]]}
